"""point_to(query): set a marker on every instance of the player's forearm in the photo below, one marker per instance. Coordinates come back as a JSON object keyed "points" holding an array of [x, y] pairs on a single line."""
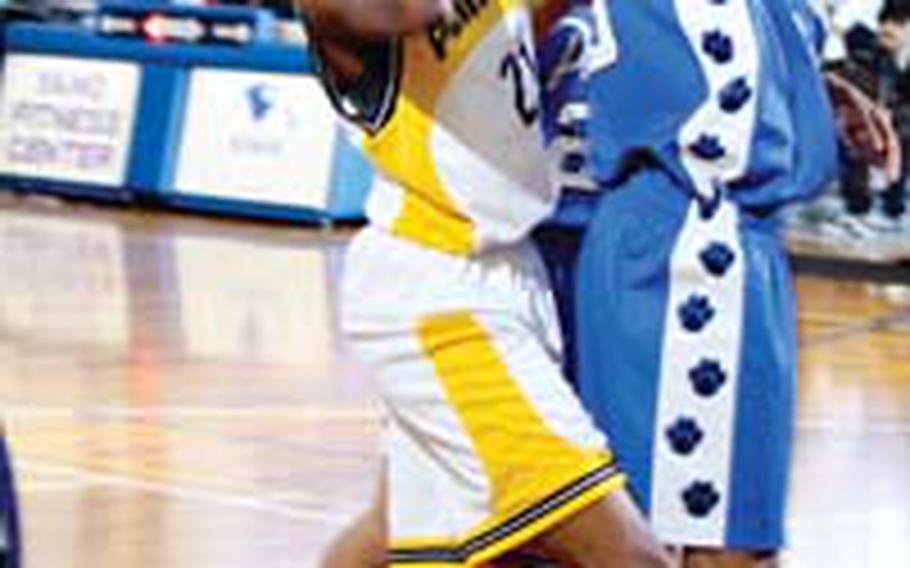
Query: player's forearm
{"points": [[373, 18], [866, 128]]}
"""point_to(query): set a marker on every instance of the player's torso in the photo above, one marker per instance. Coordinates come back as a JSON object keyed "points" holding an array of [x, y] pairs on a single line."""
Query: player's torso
{"points": [[460, 149], [713, 90]]}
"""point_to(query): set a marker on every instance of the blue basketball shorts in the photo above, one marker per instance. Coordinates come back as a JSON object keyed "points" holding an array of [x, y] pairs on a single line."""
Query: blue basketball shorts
{"points": [[686, 336]]}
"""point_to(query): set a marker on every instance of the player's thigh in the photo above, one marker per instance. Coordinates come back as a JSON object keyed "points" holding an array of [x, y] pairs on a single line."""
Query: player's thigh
{"points": [[715, 558]]}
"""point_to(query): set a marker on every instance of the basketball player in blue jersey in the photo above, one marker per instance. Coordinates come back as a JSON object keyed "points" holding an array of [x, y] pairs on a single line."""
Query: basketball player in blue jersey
{"points": [[487, 448], [9, 518], [702, 121]]}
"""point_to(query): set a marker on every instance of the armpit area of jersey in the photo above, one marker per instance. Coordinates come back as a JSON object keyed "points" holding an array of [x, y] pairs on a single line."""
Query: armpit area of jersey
{"points": [[369, 100]]}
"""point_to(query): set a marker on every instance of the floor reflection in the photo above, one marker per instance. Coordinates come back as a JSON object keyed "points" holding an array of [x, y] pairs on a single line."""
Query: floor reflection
{"points": [[177, 395], [176, 392]]}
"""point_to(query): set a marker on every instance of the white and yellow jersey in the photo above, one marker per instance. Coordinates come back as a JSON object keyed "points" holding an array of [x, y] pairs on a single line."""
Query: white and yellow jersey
{"points": [[454, 133]]}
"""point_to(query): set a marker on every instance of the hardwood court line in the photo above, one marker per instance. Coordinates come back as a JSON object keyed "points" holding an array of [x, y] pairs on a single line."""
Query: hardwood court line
{"points": [[186, 480], [188, 477], [305, 413], [872, 325], [842, 519], [877, 428], [196, 422], [34, 487], [333, 517]]}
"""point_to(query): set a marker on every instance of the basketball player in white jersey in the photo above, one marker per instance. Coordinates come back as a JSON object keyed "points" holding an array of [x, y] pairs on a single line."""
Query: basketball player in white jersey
{"points": [[488, 450]]}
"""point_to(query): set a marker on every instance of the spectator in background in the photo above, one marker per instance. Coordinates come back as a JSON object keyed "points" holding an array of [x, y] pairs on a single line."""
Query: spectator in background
{"points": [[878, 62], [894, 39], [13, 10], [67, 10]]}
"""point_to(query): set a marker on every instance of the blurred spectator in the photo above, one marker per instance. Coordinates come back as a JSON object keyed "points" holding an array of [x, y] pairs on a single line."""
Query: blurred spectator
{"points": [[894, 39], [843, 15], [869, 44], [879, 63], [46, 9], [12, 10]]}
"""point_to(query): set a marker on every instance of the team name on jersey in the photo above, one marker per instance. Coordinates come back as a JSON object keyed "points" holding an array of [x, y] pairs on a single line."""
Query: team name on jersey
{"points": [[449, 29]]}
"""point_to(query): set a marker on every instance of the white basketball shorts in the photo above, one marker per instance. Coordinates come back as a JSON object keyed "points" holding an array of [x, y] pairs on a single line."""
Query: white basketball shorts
{"points": [[487, 445]]}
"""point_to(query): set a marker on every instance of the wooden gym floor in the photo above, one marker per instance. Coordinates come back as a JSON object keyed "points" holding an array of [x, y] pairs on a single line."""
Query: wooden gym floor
{"points": [[177, 396]]}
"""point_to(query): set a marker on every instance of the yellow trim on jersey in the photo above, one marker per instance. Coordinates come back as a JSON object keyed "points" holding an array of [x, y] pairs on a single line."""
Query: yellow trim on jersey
{"points": [[403, 147], [428, 215], [537, 477]]}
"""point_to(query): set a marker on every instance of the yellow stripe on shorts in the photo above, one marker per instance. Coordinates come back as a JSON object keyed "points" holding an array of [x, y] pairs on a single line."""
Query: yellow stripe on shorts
{"points": [[537, 477]]}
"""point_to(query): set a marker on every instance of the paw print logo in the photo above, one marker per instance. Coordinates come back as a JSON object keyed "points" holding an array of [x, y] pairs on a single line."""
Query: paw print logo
{"points": [[719, 46], [708, 147], [701, 498], [696, 313], [717, 259], [707, 378], [735, 95], [684, 436]]}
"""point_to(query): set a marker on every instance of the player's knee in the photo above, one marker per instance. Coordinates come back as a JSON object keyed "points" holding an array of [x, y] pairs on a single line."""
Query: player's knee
{"points": [[639, 545], [362, 545], [647, 553], [610, 533]]}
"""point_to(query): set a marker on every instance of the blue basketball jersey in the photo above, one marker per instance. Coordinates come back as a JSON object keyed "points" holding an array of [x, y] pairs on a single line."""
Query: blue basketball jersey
{"points": [[704, 118], [733, 100]]}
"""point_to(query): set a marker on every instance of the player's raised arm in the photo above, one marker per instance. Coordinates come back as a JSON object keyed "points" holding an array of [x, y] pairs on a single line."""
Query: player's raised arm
{"points": [[372, 18]]}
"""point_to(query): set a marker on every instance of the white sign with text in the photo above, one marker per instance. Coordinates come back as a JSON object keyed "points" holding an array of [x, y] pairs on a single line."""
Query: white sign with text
{"points": [[68, 119], [261, 137]]}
